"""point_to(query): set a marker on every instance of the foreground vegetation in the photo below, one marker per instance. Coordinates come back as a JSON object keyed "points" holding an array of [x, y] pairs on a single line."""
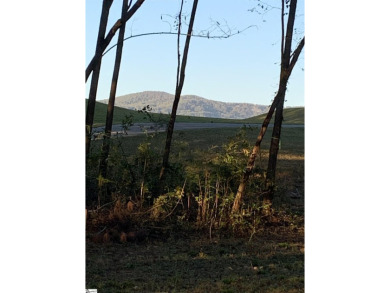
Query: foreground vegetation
{"points": [[183, 238]]}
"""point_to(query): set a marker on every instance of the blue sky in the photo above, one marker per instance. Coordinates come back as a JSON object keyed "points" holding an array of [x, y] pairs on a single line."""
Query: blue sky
{"points": [[243, 68]]}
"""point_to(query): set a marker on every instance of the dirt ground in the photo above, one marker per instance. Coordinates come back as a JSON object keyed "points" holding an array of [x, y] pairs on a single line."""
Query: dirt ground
{"points": [[272, 261]]}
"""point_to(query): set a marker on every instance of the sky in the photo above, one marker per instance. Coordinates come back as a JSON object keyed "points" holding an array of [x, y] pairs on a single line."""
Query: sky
{"points": [[242, 68]]}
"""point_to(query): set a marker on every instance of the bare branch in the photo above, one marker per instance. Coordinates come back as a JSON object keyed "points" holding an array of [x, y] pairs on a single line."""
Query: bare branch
{"points": [[289, 34], [295, 55], [182, 34], [178, 43], [129, 5], [110, 35], [282, 45]]}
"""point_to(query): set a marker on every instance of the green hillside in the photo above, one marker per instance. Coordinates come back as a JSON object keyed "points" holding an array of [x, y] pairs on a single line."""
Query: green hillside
{"points": [[120, 113], [290, 115]]}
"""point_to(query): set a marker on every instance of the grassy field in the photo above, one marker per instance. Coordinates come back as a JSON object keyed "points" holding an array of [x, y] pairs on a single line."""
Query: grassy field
{"points": [[291, 116], [291, 147], [270, 260]]}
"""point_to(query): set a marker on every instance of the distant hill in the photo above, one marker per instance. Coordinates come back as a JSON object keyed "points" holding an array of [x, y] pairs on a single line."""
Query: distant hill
{"points": [[121, 113], [291, 116], [189, 105]]}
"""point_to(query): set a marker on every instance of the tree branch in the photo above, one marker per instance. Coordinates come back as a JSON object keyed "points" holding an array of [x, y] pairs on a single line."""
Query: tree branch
{"points": [[178, 44], [282, 45], [110, 35], [187, 45], [295, 56], [182, 34], [289, 34], [129, 5]]}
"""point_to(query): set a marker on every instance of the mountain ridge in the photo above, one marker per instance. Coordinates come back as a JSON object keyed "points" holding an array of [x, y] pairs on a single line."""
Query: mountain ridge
{"points": [[193, 105]]}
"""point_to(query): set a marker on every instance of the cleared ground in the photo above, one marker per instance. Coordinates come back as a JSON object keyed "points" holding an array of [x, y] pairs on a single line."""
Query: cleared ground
{"points": [[272, 261]]}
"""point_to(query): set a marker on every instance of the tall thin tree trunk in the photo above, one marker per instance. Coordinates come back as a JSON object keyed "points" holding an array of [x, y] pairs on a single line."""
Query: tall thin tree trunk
{"points": [[179, 87], [111, 33], [285, 72], [96, 72], [111, 101], [274, 147], [251, 161]]}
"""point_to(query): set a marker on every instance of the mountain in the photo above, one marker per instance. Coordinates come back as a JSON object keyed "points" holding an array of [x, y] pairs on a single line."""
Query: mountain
{"points": [[190, 105]]}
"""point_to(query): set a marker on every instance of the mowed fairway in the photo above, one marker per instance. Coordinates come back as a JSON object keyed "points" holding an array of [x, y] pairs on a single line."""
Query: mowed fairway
{"points": [[271, 260]]}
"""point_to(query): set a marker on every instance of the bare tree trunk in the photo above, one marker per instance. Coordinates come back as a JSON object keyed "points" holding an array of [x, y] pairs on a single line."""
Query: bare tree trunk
{"points": [[111, 33], [274, 147], [251, 161], [96, 72], [285, 72], [179, 87], [111, 101]]}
